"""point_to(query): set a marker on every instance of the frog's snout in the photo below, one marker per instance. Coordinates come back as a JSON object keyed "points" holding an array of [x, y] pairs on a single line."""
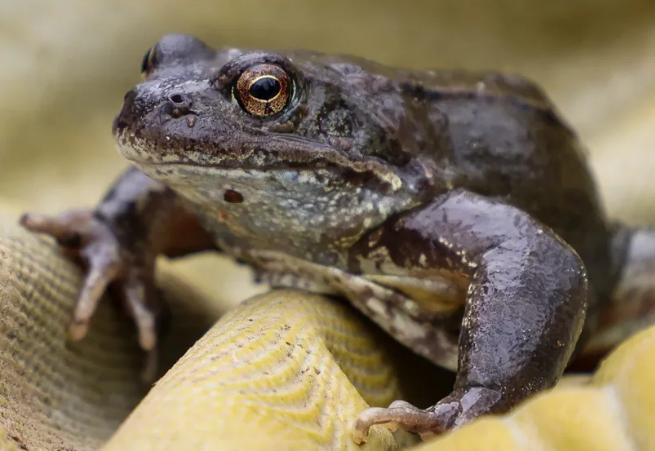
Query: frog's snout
{"points": [[135, 107]]}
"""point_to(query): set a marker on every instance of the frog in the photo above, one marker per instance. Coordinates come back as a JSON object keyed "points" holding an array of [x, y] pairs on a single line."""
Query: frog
{"points": [[455, 209]]}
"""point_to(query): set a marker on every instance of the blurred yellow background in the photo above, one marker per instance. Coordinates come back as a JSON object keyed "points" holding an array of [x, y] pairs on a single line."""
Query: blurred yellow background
{"points": [[65, 65]]}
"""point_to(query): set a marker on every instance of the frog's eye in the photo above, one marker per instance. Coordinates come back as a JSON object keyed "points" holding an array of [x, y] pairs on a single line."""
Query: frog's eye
{"points": [[263, 90], [148, 61]]}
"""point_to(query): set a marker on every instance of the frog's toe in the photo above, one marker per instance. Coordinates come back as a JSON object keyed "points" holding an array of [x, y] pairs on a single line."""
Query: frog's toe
{"points": [[104, 266], [457, 409], [144, 317], [425, 422], [67, 228]]}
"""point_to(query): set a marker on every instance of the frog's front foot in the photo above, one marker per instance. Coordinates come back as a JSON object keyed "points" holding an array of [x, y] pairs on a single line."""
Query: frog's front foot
{"points": [[95, 245], [452, 412]]}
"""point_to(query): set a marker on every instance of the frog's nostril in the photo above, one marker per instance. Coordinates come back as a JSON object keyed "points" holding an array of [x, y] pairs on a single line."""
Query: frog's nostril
{"points": [[177, 98], [178, 105]]}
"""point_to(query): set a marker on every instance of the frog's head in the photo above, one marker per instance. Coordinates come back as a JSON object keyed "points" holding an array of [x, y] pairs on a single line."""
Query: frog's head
{"points": [[308, 135]]}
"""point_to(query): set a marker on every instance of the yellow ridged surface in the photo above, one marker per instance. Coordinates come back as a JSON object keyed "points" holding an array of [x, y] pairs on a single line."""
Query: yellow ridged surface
{"points": [[283, 371], [266, 372]]}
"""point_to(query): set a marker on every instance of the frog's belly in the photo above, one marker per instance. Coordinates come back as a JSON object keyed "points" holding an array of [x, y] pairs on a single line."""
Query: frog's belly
{"points": [[417, 312]]}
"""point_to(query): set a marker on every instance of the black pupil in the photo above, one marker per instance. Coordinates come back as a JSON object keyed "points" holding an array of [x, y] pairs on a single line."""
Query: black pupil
{"points": [[265, 88]]}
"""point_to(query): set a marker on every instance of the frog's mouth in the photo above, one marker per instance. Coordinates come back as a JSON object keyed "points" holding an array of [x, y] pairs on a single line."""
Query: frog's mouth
{"points": [[271, 152]]}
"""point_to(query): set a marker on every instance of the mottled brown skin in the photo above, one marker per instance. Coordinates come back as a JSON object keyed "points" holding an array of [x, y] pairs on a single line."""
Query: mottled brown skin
{"points": [[455, 209]]}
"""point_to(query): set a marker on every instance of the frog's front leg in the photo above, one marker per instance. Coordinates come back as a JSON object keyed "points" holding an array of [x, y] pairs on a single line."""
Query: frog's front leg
{"points": [[137, 220], [524, 311]]}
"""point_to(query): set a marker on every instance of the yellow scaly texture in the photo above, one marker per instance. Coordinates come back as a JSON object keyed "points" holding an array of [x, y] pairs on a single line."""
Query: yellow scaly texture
{"points": [[262, 374]]}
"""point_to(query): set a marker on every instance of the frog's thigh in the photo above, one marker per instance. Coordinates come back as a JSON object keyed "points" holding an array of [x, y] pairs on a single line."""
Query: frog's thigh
{"points": [[632, 304], [527, 291]]}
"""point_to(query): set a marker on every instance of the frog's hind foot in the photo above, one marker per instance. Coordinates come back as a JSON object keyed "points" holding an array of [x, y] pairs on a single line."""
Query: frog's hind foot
{"points": [[399, 414], [454, 411], [91, 242]]}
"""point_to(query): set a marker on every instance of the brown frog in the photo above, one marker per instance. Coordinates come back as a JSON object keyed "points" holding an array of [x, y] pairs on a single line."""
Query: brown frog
{"points": [[454, 209]]}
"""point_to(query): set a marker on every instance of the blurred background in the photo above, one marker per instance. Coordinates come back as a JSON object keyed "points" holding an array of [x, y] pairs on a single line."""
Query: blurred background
{"points": [[66, 64]]}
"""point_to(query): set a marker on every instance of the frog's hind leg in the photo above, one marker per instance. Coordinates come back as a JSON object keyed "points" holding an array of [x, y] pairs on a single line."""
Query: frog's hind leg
{"points": [[631, 306]]}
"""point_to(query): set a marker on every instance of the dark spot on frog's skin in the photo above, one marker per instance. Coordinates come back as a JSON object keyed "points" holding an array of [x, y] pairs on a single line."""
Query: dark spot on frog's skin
{"points": [[233, 197]]}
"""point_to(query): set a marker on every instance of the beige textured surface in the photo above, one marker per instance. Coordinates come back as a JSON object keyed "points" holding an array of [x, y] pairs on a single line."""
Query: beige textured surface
{"points": [[54, 392]]}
